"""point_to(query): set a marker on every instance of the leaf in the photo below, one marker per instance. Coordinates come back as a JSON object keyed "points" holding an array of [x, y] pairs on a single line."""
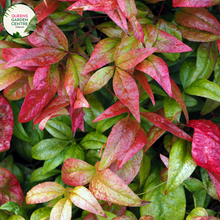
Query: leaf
{"points": [[6, 124], [41, 213], [112, 189], [181, 164], [9, 76], [77, 172], [160, 208], [130, 169], [62, 210], [158, 70], [204, 88], [114, 110], [18, 89], [198, 18], [16, 208], [34, 57], [205, 144], [38, 175], [144, 169], [16, 217], [54, 35], [131, 58], [10, 188], [178, 97], [165, 124], [93, 140], [84, 199], [74, 151], [167, 43], [42, 10], [95, 5], [43, 92], [126, 90], [59, 129], [141, 77], [101, 55], [99, 79], [194, 3], [18, 129], [46, 149], [80, 102]]}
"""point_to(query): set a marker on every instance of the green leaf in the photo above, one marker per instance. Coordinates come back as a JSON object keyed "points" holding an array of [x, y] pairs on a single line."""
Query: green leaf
{"points": [[181, 164], [36, 135], [18, 173], [108, 214], [41, 214], [198, 211], [74, 151], [54, 162], [18, 129], [3, 214], [93, 140], [59, 130], [38, 175], [16, 217], [14, 207], [204, 88], [48, 148], [145, 169], [163, 207]]}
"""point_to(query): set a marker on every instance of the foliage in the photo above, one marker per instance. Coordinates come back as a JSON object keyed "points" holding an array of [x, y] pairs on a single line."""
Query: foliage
{"points": [[109, 110]]}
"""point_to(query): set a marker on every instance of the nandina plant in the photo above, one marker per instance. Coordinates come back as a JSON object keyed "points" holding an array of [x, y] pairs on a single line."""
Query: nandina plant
{"points": [[110, 110]]}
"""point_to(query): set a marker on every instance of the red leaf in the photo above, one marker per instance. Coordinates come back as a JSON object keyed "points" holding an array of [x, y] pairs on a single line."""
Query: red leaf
{"points": [[194, 3], [114, 110], [156, 68], [206, 144], [128, 172], [2, 2], [119, 18], [218, 43], [101, 55], [119, 141], [10, 189], [18, 89], [165, 124], [216, 180], [35, 57], [126, 90], [40, 95], [144, 83], [80, 102], [6, 124], [131, 58], [178, 97], [93, 5], [56, 104], [165, 160], [107, 186], [77, 172], [54, 35], [42, 10], [198, 18], [167, 43]]}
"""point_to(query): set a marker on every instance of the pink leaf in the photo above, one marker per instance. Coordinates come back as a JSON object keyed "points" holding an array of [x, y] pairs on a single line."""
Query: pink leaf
{"points": [[6, 124], [80, 102], [194, 3], [126, 90], [156, 68]]}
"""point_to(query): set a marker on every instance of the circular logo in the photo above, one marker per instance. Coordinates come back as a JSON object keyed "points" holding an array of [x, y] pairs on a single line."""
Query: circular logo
{"points": [[19, 20]]}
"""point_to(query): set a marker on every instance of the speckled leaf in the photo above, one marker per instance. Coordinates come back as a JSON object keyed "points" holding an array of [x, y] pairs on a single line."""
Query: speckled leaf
{"points": [[99, 79], [6, 124], [107, 186], [181, 164], [41, 213], [126, 90], [157, 68], [77, 172], [44, 192], [35, 57], [160, 206], [84, 199], [204, 88], [62, 210], [101, 55], [10, 188], [194, 3]]}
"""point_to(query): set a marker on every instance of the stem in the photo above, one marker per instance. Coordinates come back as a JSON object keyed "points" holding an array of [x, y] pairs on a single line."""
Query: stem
{"points": [[151, 189], [161, 8]]}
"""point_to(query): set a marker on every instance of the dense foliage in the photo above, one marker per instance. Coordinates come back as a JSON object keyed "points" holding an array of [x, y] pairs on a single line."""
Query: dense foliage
{"points": [[110, 110]]}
